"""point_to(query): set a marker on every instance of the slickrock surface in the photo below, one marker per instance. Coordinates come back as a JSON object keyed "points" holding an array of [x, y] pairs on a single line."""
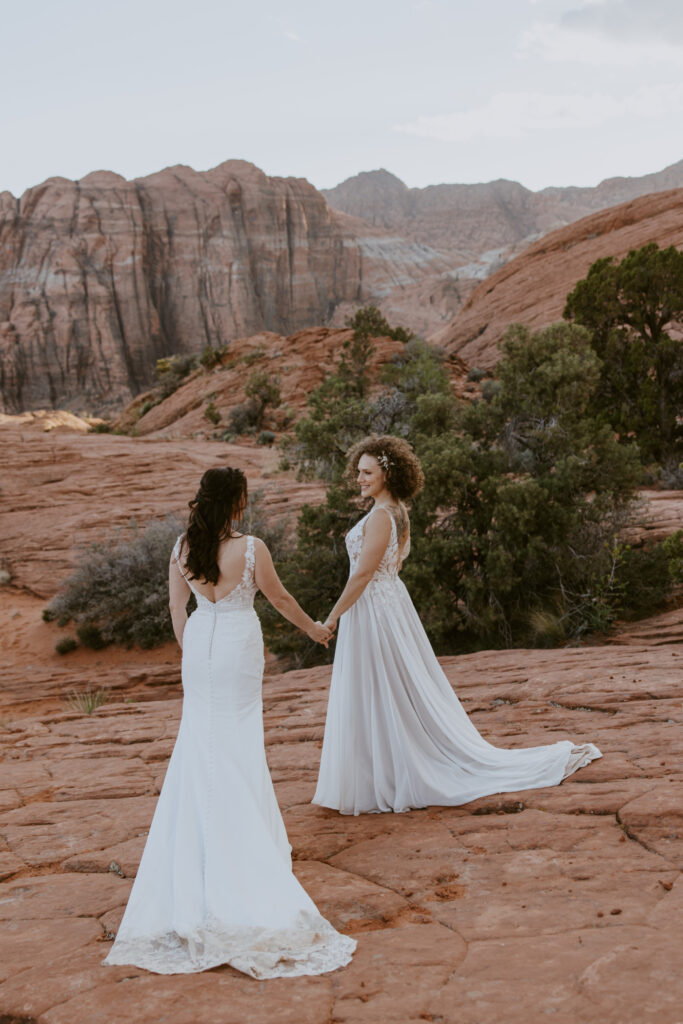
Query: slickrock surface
{"points": [[100, 277], [532, 288], [561, 904]]}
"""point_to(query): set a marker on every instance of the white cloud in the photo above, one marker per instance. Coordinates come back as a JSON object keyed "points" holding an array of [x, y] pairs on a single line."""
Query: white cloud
{"points": [[527, 114], [629, 20], [289, 33], [556, 43]]}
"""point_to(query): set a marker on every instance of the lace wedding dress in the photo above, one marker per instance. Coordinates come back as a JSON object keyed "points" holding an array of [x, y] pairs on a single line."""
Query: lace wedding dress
{"points": [[396, 736], [215, 883]]}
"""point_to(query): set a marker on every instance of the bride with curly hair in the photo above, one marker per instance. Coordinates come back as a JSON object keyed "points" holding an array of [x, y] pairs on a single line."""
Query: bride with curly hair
{"points": [[396, 735]]}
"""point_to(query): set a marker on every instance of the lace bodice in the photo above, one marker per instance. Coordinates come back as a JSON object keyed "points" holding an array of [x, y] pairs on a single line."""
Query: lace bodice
{"points": [[240, 597], [393, 557]]}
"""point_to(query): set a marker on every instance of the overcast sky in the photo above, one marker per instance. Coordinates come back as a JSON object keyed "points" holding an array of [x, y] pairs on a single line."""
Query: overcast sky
{"points": [[546, 92]]}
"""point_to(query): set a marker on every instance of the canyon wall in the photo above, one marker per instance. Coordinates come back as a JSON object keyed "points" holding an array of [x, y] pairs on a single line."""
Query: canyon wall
{"points": [[101, 277]]}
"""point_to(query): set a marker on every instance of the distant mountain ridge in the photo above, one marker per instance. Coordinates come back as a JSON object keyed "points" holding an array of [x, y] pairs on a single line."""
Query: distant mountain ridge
{"points": [[101, 277], [466, 221]]}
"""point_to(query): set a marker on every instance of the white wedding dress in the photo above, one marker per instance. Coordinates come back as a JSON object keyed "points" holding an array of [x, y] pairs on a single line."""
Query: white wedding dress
{"points": [[215, 883], [396, 736]]}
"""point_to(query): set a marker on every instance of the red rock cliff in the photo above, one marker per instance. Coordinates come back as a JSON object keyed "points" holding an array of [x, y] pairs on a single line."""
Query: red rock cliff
{"points": [[101, 277]]}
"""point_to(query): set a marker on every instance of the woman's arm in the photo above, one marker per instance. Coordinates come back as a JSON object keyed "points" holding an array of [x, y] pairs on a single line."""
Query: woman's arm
{"points": [[268, 582], [178, 596], [376, 536]]}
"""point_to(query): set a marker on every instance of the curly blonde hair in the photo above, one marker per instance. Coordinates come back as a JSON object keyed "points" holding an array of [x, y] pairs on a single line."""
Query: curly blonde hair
{"points": [[402, 469]]}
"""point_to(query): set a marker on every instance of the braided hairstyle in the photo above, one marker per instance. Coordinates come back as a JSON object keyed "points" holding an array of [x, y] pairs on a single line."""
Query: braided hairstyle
{"points": [[220, 499]]}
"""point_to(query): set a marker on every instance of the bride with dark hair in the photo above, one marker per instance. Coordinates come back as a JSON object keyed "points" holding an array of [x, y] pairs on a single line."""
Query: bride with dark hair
{"points": [[215, 883]]}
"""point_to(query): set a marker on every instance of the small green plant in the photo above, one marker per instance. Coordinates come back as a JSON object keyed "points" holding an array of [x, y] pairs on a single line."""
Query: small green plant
{"points": [[66, 645], [251, 357], [88, 700], [673, 549], [475, 375], [90, 636], [212, 414], [171, 371], [146, 406], [244, 418], [211, 357], [101, 428], [266, 437]]}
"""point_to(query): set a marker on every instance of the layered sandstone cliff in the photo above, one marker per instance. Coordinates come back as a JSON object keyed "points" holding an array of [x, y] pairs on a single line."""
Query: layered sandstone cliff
{"points": [[533, 287], [471, 221], [101, 277]]}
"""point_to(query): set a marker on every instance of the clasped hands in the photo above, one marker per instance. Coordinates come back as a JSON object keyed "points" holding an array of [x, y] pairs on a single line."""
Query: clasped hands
{"points": [[322, 632]]}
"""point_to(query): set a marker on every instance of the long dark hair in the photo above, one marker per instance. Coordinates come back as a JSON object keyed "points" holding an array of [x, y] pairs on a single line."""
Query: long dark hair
{"points": [[221, 498]]}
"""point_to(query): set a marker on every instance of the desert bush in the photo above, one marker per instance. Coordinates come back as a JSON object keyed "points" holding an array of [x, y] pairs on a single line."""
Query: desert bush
{"points": [[266, 437], [262, 390], [245, 418], [171, 371], [118, 592], [212, 414], [101, 428], [211, 357], [476, 374], [66, 644]]}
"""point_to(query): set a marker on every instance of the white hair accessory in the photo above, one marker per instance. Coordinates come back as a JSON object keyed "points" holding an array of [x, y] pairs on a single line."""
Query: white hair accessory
{"points": [[384, 461]]}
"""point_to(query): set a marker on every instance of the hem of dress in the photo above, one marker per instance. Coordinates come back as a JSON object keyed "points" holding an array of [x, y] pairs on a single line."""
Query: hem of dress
{"points": [[321, 959], [579, 756]]}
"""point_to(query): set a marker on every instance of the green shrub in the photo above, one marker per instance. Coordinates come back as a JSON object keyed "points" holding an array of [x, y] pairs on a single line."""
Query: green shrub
{"points": [[265, 437], [91, 636], [673, 549], [66, 644], [476, 374], [101, 428], [212, 414], [119, 590], [245, 418], [211, 357], [171, 371]]}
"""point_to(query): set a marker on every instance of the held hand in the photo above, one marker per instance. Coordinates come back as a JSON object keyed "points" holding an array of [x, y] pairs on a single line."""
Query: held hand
{"points": [[321, 634], [330, 624]]}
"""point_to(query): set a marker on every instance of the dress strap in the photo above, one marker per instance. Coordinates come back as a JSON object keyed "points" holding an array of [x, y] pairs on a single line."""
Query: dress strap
{"points": [[383, 508], [249, 558], [176, 557]]}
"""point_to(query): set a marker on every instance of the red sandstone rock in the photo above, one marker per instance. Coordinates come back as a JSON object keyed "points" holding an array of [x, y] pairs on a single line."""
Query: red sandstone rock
{"points": [[101, 277], [532, 289], [557, 902]]}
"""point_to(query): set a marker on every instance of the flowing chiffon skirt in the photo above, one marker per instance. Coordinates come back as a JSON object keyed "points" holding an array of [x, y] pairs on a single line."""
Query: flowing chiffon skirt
{"points": [[396, 735]]}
